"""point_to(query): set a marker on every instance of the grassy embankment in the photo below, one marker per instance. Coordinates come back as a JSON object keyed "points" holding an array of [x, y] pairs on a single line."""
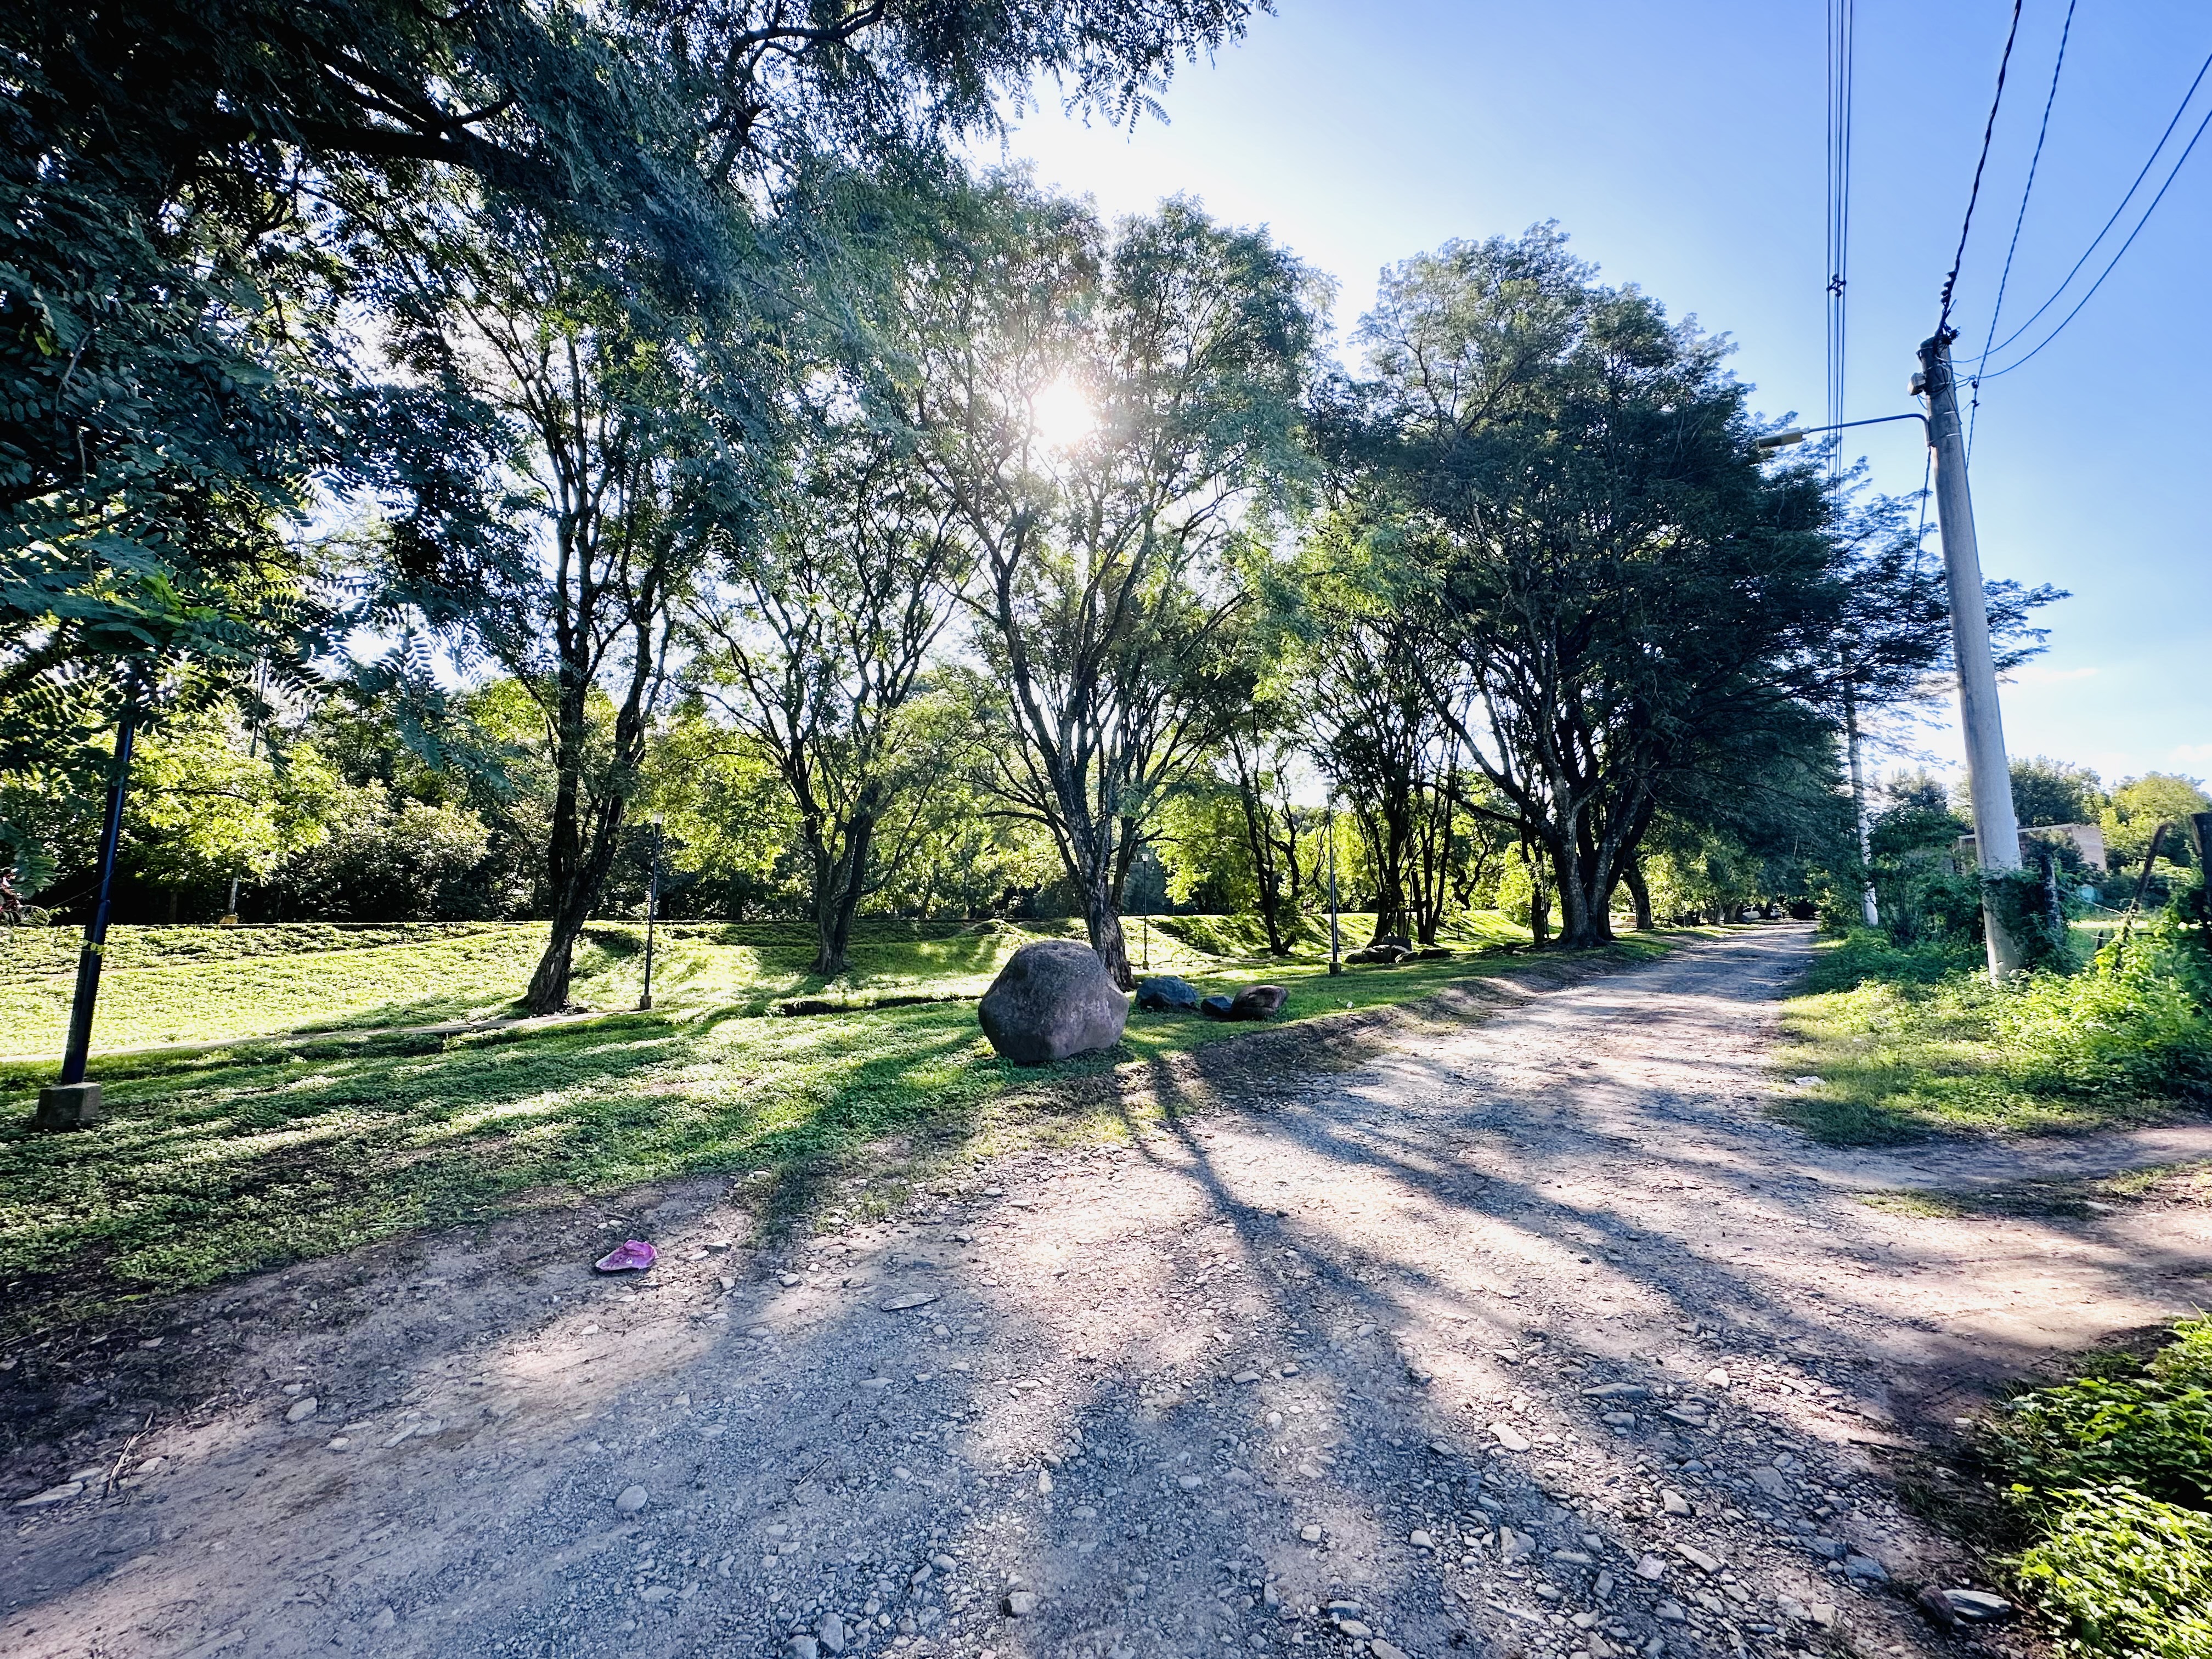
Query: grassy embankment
{"points": [[1912, 1041], [263, 1151], [2105, 1520]]}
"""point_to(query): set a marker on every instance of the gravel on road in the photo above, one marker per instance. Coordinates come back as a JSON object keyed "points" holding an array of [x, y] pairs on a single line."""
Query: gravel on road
{"points": [[1536, 1336]]}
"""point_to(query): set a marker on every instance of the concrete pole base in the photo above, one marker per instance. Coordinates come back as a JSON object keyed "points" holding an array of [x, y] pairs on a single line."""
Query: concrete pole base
{"points": [[69, 1106]]}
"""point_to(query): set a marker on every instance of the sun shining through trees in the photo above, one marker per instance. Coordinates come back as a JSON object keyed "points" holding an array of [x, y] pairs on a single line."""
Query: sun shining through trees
{"points": [[1062, 415]]}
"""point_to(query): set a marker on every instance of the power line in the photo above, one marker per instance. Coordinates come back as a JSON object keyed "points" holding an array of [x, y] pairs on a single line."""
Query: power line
{"points": [[2117, 258], [1974, 412], [2150, 161], [1840, 30], [1973, 195]]}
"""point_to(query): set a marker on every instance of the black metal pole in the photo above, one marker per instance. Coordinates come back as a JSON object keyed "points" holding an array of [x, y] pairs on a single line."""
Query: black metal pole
{"points": [[651, 905], [95, 931]]}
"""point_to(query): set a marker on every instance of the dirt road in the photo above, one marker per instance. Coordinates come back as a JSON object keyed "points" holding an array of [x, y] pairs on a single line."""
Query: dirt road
{"points": [[1533, 1336]]}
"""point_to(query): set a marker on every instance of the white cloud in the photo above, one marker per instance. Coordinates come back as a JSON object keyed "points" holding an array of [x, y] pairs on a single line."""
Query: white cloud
{"points": [[2191, 754]]}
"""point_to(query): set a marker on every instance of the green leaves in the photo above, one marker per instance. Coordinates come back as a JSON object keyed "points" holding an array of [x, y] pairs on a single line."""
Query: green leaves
{"points": [[2130, 1577], [2116, 1472], [1612, 593]]}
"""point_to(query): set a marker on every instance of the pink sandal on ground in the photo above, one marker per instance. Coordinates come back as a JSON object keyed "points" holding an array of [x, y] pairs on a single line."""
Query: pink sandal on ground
{"points": [[633, 1256]]}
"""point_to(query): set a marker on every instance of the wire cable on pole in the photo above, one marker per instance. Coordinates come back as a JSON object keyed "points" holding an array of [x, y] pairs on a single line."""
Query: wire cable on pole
{"points": [[2105, 230], [1989, 128], [2115, 258], [1840, 29], [1974, 410]]}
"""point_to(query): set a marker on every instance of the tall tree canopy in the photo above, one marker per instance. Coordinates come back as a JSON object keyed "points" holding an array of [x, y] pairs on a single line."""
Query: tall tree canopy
{"points": [[198, 198], [1624, 598], [1104, 411]]}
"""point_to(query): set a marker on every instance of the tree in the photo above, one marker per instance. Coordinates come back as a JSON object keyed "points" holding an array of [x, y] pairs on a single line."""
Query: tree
{"points": [[209, 806], [1102, 412], [1376, 728], [200, 207], [1260, 746], [183, 188], [1564, 484], [626, 475], [2138, 806], [2046, 791], [823, 628]]}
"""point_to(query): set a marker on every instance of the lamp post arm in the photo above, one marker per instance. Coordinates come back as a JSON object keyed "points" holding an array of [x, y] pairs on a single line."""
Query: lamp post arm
{"points": [[1797, 434]]}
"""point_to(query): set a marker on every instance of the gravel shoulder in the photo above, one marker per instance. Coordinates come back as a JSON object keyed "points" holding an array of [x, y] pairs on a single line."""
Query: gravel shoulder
{"points": [[1531, 1334]]}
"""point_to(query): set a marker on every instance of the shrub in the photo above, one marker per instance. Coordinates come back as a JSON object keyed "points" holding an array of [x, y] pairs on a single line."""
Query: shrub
{"points": [[2143, 1433], [2113, 1471], [2125, 1574]]}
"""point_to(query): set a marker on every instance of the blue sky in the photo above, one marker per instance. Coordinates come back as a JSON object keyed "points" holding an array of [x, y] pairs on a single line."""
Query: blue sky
{"points": [[1681, 147]]}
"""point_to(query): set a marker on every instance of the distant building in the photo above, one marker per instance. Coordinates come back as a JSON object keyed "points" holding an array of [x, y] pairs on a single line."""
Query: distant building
{"points": [[2088, 840]]}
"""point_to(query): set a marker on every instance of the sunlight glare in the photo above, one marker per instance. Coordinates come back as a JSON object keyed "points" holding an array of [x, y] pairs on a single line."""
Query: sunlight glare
{"points": [[1062, 415]]}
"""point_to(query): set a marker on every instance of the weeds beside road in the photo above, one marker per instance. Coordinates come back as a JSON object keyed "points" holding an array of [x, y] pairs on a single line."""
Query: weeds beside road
{"points": [[2107, 1497], [1912, 1041]]}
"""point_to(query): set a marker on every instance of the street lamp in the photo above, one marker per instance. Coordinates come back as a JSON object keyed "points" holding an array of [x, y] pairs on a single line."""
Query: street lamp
{"points": [[1797, 434]]}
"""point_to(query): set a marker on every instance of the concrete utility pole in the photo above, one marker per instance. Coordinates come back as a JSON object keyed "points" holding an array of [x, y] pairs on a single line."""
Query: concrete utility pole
{"points": [[1996, 830]]}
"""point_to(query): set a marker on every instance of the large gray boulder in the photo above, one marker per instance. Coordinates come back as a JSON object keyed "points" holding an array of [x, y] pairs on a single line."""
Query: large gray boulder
{"points": [[1052, 999]]}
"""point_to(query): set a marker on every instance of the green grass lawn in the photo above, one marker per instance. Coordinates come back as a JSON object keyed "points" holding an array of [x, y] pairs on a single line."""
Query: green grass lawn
{"points": [[1909, 1041], [177, 985], [259, 1153]]}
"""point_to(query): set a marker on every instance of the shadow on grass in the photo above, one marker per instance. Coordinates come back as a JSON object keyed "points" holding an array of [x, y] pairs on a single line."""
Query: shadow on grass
{"points": [[259, 1154]]}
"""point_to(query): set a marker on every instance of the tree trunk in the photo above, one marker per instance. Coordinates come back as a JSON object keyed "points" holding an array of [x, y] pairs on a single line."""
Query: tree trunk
{"points": [[1585, 902], [1265, 875], [838, 899], [1102, 919], [549, 986], [1392, 917], [1632, 873], [1869, 907], [1539, 914]]}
